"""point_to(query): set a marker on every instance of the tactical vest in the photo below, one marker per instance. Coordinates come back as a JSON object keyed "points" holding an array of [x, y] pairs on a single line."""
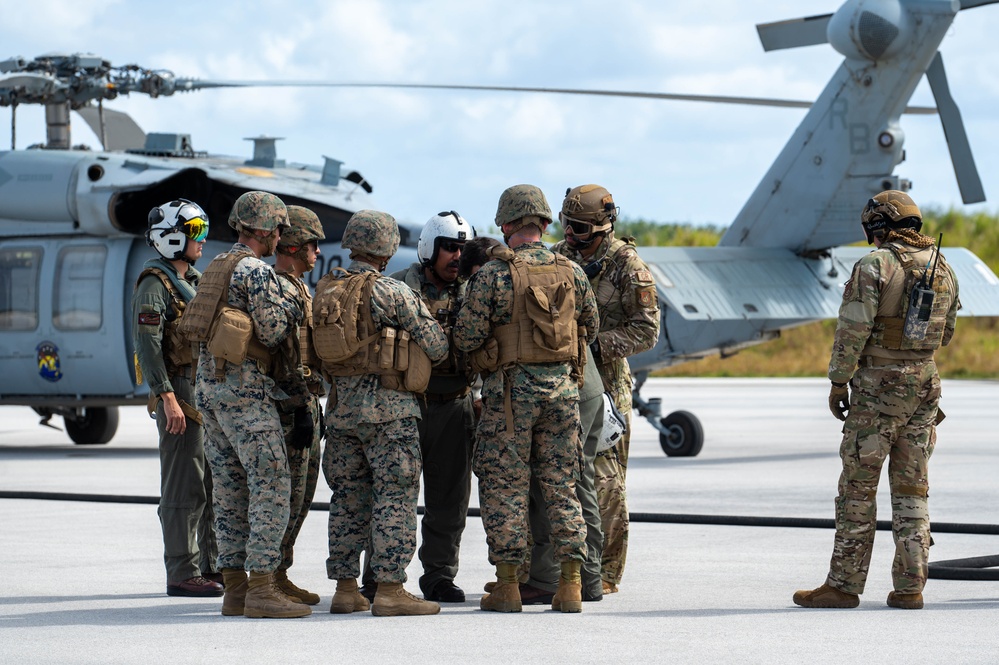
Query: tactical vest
{"points": [[176, 347], [611, 309], [310, 361], [889, 324], [543, 326], [210, 319], [349, 343]]}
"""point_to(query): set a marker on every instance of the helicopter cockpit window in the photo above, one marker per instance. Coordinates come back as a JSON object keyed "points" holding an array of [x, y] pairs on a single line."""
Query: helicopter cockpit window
{"points": [[77, 299], [19, 288]]}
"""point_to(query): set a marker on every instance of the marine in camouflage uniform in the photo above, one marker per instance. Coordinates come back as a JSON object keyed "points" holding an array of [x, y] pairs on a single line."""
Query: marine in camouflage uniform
{"points": [[530, 417], [446, 421], [629, 324], [372, 458], [245, 442], [302, 423], [891, 405], [163, 359]]}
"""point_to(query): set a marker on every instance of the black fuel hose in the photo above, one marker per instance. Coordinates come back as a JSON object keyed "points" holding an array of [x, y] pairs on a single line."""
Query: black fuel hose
{"points": [[973, 568]]}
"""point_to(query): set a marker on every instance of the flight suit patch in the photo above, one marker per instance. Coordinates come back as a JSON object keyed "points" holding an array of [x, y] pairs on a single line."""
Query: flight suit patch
{"points": [[646, 297], [149, 319]]}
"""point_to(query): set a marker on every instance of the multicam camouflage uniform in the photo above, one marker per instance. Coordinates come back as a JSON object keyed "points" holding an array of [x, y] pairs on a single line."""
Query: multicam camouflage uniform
{"points": [[546, 426], [893, 411], [185, 510], [244, 440], [372, 459], [629, 324]]}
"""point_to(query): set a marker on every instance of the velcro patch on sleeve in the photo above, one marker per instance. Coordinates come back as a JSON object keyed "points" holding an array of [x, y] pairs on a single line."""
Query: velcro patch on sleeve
{"points": [[647, 297], [149, 319]]}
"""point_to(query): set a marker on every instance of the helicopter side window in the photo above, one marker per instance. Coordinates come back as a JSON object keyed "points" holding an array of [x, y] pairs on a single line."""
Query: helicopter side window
{"points": [[77, 300], [19, 268]]}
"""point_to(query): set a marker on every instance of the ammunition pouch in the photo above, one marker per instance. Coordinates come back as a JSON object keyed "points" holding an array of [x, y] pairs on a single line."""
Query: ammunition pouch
{"points": [[403, 364]]}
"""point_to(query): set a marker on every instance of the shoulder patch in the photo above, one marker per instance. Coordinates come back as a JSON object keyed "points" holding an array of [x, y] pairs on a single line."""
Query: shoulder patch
{"points": [[647, 297], [643, 276], [149, 319]]}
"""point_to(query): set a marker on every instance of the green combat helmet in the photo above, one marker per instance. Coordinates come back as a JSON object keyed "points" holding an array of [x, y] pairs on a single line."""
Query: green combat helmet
{"points": [[305, 227], [373, 233], [259, 211], [520, 202]]}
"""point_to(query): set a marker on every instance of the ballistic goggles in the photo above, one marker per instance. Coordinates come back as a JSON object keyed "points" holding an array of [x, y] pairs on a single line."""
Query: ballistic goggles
{"points": [[580, 228]]}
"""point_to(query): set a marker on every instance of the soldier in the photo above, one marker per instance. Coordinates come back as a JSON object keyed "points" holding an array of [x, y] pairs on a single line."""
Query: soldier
{"points": [[525, 320], [629, 324], [177, 231], [446, 418], [240, 315], [296, 255], [899, 307], [376, 340]]}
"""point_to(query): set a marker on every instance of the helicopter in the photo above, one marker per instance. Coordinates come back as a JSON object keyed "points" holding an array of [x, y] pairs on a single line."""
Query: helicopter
{"points": [[74, 219]]}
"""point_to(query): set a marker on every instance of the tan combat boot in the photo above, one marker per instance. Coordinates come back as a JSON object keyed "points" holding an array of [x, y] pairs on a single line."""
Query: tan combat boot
{"points": [[265, 601], [392, 600], [905, 601], [569, 597], [825, 596], [235, 592], [289, 589], [348, 599], [505, 596]]}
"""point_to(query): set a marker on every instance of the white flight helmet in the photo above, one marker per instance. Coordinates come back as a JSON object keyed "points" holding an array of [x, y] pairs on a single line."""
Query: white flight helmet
{"points": [[171, 224], [443, 227], [614, 426]]}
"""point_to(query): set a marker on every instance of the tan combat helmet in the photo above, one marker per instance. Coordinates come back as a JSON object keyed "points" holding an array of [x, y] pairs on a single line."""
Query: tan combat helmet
{"points": [[373, 233], [521, 205], [888, 210], [588, 211], [259, 211]]}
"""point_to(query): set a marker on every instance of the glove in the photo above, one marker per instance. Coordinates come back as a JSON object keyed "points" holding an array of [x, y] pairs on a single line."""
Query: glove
{"points": [[839, 400], [301, 430]]}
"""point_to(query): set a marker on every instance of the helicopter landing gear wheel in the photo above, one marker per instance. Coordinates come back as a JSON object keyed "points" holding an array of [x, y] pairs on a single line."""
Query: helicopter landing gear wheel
{"points": [[96, 425], [686, 436]]}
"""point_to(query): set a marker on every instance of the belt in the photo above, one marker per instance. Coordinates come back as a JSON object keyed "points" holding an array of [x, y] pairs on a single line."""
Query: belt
{"points": [[445, 397], [876, 361]]}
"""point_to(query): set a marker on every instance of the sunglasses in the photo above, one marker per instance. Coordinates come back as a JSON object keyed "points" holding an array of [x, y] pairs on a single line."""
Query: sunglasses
{"points": [[196, 229], [452, 246]]}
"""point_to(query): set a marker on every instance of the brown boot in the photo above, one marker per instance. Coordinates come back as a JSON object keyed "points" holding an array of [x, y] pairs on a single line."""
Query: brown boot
{"points": [[394, 601], [505, 596], [905, 601], [289, 589], [265, 601], [235, 592], [569, 597], [348, 599], [825, 596]]}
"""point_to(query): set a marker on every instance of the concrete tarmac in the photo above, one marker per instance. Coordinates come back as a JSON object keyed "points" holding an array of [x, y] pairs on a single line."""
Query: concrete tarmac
{"points": [[84, 582]]}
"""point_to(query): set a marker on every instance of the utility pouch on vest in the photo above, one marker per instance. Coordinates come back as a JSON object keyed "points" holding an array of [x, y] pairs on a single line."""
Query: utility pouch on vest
{"points": [[485, 359], [416, 377], [546, 307], [386, 352], [402, 351], [230, 335]]}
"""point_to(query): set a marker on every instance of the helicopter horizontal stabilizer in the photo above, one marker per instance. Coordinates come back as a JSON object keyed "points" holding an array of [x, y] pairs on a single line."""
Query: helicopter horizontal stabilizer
{"points": [[968, 180], [807, 31], [120, 132]]}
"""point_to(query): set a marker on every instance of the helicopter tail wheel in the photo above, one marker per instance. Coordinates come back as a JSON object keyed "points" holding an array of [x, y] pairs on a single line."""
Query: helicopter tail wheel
{"points": [[686, 436], [97, 425]]}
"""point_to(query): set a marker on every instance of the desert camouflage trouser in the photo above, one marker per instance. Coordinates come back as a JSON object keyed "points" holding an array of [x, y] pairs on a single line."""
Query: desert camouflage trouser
{"points": [[304, 467], [892, 414], [374, 473], [544, 442], [610, 469], [251, 490]]}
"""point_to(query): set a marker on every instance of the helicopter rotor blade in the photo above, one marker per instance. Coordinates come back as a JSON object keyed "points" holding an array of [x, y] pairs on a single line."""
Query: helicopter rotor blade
{"points": [[970, 4], [191, 84], [968, 179], [806, 31]]}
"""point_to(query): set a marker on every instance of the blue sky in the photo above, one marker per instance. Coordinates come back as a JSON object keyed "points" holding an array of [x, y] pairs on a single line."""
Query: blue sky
{"points": [[428, 151]]}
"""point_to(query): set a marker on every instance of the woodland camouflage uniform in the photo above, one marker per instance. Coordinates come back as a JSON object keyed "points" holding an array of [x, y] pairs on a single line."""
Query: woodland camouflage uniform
{"points": [[372, 458]]}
